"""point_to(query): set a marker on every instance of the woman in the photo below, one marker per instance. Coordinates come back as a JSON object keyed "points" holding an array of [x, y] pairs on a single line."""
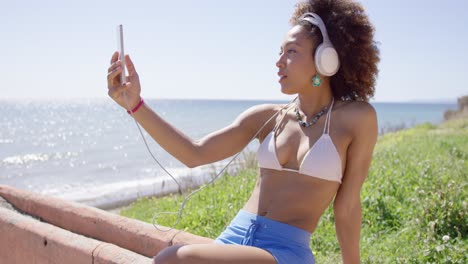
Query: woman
{"points": [[315, 151]]}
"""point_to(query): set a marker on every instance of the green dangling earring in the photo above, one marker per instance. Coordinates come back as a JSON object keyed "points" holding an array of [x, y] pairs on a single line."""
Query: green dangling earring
{"points": [[316, 80]]}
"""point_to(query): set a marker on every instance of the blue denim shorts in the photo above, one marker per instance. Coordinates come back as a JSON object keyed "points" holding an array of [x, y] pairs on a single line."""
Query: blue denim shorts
{"points": [[287, 244]]}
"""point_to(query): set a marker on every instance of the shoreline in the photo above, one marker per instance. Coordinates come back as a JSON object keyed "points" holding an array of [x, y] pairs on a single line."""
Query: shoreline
{"points": [[167, 186], [114, 194]]}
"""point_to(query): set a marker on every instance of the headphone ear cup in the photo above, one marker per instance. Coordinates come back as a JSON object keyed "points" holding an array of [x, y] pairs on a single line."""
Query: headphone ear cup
{"points": [[326, 59]]}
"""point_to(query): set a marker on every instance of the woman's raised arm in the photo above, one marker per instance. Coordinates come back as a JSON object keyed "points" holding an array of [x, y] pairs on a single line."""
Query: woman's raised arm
{"points": [[216, 146]]}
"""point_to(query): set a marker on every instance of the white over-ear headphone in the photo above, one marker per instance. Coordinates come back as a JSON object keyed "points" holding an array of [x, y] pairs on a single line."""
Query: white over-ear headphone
{"points": [[326, 57]]}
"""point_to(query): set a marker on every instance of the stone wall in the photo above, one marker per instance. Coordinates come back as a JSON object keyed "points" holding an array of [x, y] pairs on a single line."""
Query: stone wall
{"points": [[461, 112], [36, 228]]}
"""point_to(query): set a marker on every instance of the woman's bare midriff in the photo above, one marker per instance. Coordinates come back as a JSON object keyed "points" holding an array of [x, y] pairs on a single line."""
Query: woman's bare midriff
{"points": [[292, 198]]}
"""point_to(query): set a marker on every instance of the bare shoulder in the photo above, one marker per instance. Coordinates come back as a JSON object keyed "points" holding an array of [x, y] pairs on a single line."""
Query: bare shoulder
{"points": [[261, 112], [256, 116], [357, 107], [358, 115]]}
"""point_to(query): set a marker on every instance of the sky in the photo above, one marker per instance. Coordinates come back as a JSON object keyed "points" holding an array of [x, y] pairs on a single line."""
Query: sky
{"points": [[211, 49]]}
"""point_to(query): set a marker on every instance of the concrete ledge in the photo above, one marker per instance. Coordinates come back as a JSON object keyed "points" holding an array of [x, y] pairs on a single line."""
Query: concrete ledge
{"points": [[69, 217], [26, 240]]}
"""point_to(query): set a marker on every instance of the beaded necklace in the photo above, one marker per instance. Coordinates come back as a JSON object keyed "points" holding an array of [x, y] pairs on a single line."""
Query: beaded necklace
{"points": [[314, 120]]}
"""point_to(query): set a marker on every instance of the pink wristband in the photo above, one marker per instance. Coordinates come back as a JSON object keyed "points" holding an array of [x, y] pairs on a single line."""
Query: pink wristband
{"points": [[136, 107]]}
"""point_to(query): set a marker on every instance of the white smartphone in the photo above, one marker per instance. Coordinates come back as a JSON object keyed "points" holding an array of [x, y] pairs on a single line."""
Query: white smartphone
{"points": [[120, 48]]}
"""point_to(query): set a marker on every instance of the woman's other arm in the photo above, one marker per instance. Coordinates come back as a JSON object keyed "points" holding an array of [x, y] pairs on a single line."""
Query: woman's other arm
{"points": [[347, 204]]}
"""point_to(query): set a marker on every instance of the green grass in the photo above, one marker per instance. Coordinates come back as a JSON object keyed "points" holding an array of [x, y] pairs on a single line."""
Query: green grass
{"points": [[414, 196]]}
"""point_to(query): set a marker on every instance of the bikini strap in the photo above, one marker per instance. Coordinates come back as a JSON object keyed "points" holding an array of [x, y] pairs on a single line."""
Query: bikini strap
{"points": [[326, 127], [281, 120]]}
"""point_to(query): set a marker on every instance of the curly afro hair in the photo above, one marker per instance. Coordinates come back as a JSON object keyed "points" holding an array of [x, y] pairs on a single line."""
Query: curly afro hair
{"points": [[352, 34]]}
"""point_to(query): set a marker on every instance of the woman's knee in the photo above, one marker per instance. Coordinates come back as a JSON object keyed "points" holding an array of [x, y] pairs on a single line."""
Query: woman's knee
{"points": [[175, 255], [167, 256]]}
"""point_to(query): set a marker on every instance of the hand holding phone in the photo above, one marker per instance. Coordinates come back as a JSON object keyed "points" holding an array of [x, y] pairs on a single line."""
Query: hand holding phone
{"points": [[123, 89]]}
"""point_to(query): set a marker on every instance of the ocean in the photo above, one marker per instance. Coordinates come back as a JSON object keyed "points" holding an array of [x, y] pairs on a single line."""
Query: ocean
{"points": [[90, 150]]}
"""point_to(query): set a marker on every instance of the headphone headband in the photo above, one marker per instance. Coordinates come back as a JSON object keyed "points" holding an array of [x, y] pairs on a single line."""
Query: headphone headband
{"points": [[316, 20], [326, 57]]}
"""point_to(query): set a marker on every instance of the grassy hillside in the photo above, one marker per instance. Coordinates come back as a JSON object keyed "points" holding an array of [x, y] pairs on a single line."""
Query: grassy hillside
{"points": [[414, 201]]}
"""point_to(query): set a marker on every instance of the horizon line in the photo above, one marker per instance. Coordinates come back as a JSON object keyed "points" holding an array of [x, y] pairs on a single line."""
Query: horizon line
{"points": [[415, 101]]}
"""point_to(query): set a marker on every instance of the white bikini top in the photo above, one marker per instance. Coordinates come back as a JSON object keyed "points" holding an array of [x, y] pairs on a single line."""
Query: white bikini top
{"points": [[321, 161]]}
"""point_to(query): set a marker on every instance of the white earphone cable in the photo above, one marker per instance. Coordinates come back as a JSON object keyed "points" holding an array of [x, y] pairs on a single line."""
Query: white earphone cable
{"points": [[179, 212]]}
